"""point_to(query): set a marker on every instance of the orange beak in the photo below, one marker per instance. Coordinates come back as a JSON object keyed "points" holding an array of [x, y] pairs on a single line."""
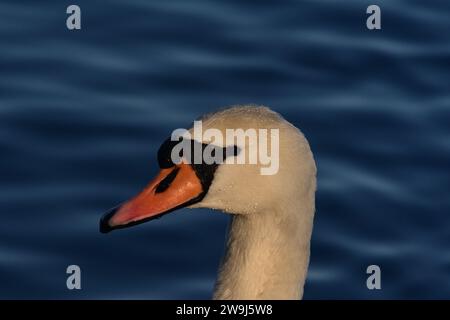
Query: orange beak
{"points": [[173, 188]]}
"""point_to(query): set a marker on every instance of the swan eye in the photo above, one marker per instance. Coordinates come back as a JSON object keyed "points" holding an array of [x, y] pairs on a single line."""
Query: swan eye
{"points": [[231, 151]]}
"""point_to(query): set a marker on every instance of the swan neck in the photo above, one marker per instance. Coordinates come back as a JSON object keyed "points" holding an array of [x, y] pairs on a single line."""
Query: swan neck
{"points": [[267, 256]]}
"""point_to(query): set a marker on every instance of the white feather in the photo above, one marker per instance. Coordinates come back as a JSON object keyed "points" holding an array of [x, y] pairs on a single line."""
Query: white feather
{"points": [[268, 243]]}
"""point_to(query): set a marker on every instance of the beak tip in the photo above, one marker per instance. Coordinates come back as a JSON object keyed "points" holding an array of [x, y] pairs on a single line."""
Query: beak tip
{"points": [[104, 226]]}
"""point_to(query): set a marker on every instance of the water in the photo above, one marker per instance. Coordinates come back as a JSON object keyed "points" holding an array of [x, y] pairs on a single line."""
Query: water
{"points": [[83, 113]]}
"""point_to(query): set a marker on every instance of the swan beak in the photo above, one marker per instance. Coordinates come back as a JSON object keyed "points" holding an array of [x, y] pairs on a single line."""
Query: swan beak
{"points": [[173, 188]]}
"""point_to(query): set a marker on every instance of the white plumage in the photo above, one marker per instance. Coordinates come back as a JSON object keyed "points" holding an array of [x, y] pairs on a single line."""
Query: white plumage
{"points": [[268, 243]]}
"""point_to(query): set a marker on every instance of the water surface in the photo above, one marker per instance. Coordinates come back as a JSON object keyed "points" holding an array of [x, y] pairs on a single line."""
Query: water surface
{"points": [[83, 113]]}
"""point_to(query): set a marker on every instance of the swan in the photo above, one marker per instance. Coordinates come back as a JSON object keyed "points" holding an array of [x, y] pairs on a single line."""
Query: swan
{"points": [[268, 241]]}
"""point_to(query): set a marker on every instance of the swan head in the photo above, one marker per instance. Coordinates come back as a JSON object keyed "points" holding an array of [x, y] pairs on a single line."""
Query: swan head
{"points": [[270, 167]]}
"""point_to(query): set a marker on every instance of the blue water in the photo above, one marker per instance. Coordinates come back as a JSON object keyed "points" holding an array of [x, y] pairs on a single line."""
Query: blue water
{"points": [[82, 114]]}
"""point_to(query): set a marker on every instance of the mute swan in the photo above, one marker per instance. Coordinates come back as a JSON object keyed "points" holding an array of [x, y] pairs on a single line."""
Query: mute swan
{"points": [[267, 251]]}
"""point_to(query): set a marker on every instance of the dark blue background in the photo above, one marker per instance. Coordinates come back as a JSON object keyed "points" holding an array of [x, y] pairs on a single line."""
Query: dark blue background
{"points": [[82, 114]]}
